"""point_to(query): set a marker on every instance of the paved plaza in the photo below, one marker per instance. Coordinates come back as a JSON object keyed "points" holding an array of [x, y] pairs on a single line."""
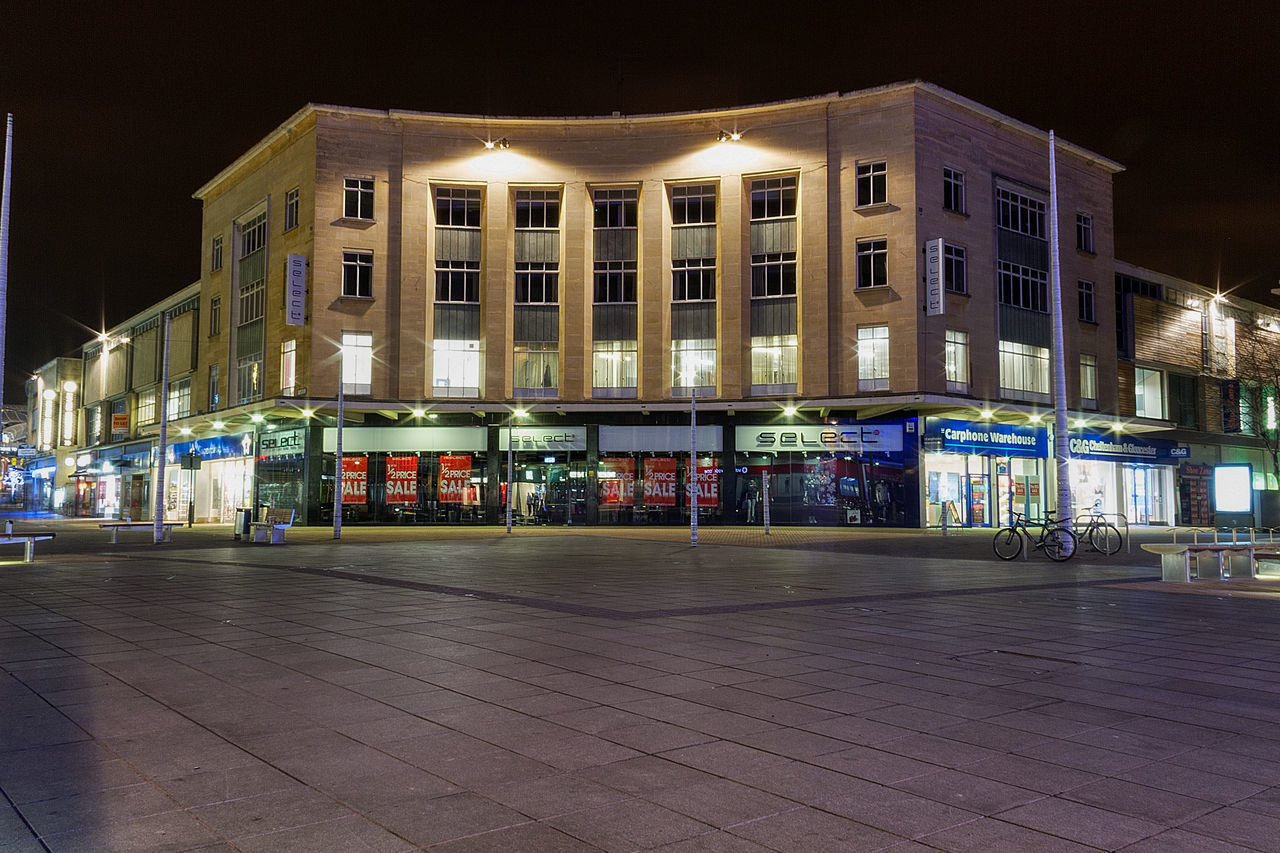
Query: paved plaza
{"points": [[604, 689]]}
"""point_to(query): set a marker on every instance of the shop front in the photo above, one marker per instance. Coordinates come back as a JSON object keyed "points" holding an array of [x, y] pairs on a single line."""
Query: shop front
{"points": [[979, 473], [1124, 476], [643, 475], [208, 479], [858, 474]]}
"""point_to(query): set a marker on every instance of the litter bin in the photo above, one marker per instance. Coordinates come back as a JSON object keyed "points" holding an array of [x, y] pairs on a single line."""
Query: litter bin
{"points": [[244, 515]]}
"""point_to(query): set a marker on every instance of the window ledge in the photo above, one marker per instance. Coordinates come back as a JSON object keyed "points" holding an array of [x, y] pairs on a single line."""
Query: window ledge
{"points": [[355, 222], [874, 209], [1088, 253], [356, 298], [951, 292], [960, 214], [870, 287]]}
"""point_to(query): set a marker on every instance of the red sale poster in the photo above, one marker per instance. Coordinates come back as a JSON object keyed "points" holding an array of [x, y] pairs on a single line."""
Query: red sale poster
{"points": [[660, 481], [402, 479], [708, 483], [355, 480], [617, 481], [455, 476]]}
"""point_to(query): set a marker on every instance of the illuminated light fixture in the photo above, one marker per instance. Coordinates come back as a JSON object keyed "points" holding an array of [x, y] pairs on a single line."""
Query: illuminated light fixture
{"points": [[432, 416], [520, 413], [185, 430], [69, 386], [1081, 423], [218, 424], [987, 414], [789, 411], [257, 417], [103, 338], [69, 462], [270, 427], [1035, 419], [1117, 427], [728, 136], [502, 144], [1218, 297], [417, 413], [306, 413]]}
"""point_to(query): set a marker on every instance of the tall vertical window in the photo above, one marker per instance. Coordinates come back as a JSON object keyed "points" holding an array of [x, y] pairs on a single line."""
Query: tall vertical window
{"points": [[180, 398], [288, 367], [215, 315], [357, 274], [775, 359], [456, 353], [215, 254], [693, 279], [872, 183], [146, 407], [613, 364], [1089, 381], [614, 319], [1148, 392], [250, 307], [536, 343], [773, 257], [954, 273], [873, 358], [1022, 286], [1085, 289], [693, 362], [249, 378], [1024, 369], [291, 209], [215, 396], [872, 263], [693, 285], [1020, 213], [956, 361], [357, 198], [357, 362], [1084, 232], [952, 190]]}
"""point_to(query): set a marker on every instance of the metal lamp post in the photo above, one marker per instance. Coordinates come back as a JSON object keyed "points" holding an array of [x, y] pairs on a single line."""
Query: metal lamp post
{"points": [[337, 455], [510, 465]]}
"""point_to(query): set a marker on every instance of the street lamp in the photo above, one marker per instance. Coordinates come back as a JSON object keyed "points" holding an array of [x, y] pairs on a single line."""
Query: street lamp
{"points": [[337, 455]]}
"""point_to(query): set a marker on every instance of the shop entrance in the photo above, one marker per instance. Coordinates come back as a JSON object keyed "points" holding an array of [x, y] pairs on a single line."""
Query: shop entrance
{"points": [[549, 489], [1144, 495]]}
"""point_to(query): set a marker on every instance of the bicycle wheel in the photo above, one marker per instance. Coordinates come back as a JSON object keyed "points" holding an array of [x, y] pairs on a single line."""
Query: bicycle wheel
{"points": [[1105, 538], [1059, 544], [1007, 543]]}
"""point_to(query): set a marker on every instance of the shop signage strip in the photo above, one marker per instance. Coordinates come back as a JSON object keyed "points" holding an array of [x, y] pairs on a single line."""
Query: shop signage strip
{"points": [[214, 447], [282, 443], [375, 439], [847, 438], [991, 438], [543, 438], [296, 290], [1126, 449], [671, 439]]}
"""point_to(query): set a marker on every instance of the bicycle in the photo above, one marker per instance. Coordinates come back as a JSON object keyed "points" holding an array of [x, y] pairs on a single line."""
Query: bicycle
{"points": [[1058, 542], [1102, 535]]}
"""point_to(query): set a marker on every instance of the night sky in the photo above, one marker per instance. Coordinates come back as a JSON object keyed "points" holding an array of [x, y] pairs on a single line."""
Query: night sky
{"points": [[120, 117]]}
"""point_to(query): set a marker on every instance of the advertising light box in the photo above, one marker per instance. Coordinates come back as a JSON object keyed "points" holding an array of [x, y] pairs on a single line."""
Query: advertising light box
{"points": [[1233, 488]]}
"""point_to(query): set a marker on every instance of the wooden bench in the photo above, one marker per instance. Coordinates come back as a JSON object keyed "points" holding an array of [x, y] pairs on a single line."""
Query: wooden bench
{"points": [[128, 524], [1175, 557], [28, 538], [272, 527]]}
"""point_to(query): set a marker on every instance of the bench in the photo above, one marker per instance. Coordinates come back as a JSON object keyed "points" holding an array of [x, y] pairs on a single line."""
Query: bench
{"points": [[1175, 557], [28, 538], [272, 527], [128, 524]]}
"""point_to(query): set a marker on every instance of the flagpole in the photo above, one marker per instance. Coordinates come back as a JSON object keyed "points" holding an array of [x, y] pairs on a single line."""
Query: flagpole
{"points": [[1061, 447]]}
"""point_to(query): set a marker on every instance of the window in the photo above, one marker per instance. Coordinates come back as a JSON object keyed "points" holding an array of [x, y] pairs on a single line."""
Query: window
{"points": [[357, 198], [954, 273], [249, 378], [773, 274], [538, 209], [871, 183], [215, 315], [1024, 368], [215, 254], [1022, 287], [291, 209], [1089, 381], [693, 279], [357, 274], [536, 364], [457, 281], [1085, 289], [614, 208], [456, 368], [1148, 393], [1019, 213], [147, 407], [215, 398], [873, 358], [536, 282], [956, 361], [288, 367], [613, 364], [1183, 398], [693, 362], [872, 255], [457, 207], [773, 198], [615, 281], [693, 205], [357, 362], [180, 398], [952, 190], [1084, 232], [253, 235], [775, 360]]}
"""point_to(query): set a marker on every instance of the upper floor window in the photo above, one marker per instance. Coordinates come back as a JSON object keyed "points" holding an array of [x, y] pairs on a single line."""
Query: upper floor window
{"points": [[1020, 213], [952, 190], [615, 281], [538, 209], [773, 198], [873, 358], [1022, 287], [1085, 289], [357, 198], [773, 274], [614, 208], [291, 209], [693, 279], [1088, 380], [1148, 392], [693, 204], [956, 360], [357, 274], [872, 263], [180, 398], [357, 362], [1084, 232], [215, 254], [536, 282], [458, 207], [954, 272], [215, 315], [872, 183], [253, 235], [457, 281], [288, 366]]}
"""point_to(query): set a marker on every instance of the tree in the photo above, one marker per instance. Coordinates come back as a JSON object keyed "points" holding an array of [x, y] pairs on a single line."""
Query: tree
{"points": [[1257, 369]]}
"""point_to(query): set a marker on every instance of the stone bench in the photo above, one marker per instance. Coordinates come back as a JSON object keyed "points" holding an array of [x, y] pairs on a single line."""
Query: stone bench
{"points": [[128, 524], [28, 538], [1176, 557]]}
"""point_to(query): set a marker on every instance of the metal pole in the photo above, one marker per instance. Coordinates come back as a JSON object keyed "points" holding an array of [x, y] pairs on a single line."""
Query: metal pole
{"points": [[1061, 445], [510, 469], [164, 433], [337, 455], [693, 465], [764, 478], [4, 245]]}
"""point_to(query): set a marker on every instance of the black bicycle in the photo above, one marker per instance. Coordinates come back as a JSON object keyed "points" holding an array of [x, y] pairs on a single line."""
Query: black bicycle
{"points": [[1057, 542], [1102, 535]]}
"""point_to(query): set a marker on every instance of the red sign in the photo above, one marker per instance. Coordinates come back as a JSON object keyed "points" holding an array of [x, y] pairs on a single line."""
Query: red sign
{"points": [[660, 481], [708, 483], [455, 476], [402, 479], [355, 480], [617, 481]]}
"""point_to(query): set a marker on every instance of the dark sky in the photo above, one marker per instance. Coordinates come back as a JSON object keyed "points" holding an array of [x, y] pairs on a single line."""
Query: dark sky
{"points": [[120, 116]]}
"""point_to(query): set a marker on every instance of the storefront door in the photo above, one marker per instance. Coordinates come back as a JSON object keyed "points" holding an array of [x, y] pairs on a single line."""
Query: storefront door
{"points": [[1144, 495]]}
